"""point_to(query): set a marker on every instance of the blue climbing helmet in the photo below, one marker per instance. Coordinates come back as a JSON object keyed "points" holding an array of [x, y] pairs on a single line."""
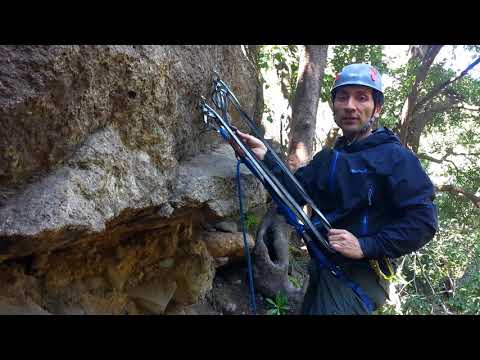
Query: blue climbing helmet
{"points": [[360, 74]]}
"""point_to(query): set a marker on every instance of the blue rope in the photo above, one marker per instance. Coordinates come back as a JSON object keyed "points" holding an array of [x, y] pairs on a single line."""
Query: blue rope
{"points": [[245, 244]]}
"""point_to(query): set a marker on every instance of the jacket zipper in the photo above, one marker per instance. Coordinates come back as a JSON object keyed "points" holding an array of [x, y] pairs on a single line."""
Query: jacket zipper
{"points": [[365, 216], [333, 167]]}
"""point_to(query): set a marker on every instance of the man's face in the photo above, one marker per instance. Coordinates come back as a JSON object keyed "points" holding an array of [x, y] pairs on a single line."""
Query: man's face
{"points": [[353, 107]]}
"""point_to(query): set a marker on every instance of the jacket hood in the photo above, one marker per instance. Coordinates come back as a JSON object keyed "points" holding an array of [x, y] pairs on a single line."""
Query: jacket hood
{"points": [[379, 136]]}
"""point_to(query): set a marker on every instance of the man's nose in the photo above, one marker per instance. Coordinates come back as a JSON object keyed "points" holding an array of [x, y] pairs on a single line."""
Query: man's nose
{"points": [[350, 104]]}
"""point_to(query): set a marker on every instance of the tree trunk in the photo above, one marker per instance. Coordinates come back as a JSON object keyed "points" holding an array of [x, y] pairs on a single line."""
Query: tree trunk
{"points": [[426, 54], [271, 260], [305, 105], [332, 136], [252, 52]]}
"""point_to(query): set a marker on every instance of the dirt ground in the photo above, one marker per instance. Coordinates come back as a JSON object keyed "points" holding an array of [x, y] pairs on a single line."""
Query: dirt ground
{"points": [[230, 294]]}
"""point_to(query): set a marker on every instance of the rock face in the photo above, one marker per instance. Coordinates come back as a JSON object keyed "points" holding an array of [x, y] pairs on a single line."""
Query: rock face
{"points": [[222, 245], [107, 175]]}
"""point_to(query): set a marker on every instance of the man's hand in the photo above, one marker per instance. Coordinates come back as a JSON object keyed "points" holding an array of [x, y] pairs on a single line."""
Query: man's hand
{"points": [[345, 243], [257, 147]]}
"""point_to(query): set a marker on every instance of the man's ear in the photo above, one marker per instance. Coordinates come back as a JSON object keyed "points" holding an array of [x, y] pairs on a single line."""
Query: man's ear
{"points": [[378, 109]]}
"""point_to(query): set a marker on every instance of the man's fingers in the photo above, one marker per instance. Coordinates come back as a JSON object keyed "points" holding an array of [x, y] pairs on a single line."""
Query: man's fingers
{"points": [[241, 134], [336, 238], [337, 246], [336, 231], [246, 138], [243, 137]]}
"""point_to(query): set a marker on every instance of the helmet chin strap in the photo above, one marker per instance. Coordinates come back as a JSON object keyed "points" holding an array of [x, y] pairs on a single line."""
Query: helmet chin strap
{"points": [[362, 131]]}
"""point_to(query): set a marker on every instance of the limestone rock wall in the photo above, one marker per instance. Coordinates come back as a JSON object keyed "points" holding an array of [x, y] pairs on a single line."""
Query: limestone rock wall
{"points": [[108, 179]]}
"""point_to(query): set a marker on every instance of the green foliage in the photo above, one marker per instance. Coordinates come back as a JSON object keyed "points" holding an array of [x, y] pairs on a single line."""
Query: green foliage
{"points": [[295, 282], [387, 309], [445, 109], [293, 250], [268, 111], [467, 298], [277, 306], [251, 222], [417, 304], [454, 249], [347, 54], [285, 60], [395, 96]]}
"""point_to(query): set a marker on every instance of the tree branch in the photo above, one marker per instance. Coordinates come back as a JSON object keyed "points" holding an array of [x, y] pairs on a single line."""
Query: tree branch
{"points": [[468, 108], [456, 190], [439, 88], [438, 161], [462, 154], [420, 119], [431, 51], [449, 152]]}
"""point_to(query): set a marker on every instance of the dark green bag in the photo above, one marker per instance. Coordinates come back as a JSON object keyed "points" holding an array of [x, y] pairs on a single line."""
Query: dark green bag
{"points": [[327, 295]]}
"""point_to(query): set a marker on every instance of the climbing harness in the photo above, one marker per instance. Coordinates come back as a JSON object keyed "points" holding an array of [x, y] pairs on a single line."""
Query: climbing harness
{"points": [[314, 235]]}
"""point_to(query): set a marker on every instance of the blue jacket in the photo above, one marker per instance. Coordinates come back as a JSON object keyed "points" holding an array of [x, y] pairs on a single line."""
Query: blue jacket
{"points": [[374, 188]]}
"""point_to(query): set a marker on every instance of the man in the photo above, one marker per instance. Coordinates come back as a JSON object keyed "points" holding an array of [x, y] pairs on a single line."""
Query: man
{"points": [[372, 190]]}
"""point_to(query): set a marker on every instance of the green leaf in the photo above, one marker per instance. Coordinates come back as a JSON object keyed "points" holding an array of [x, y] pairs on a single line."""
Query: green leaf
{"points": [[272, 312], [270, 301]]}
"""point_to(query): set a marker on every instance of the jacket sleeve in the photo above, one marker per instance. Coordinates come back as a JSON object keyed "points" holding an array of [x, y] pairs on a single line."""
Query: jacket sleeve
{"points": [[415, 225], [305, 175]]}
